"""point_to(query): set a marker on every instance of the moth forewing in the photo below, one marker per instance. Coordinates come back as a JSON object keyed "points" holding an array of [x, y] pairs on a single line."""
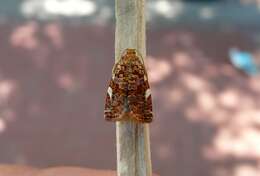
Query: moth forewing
{"points": [[147, 93], [129, 94], [110, 91]]}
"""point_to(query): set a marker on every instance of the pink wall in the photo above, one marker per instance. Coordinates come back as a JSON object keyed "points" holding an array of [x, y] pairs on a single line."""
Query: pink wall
{"points": [[53, 79]]}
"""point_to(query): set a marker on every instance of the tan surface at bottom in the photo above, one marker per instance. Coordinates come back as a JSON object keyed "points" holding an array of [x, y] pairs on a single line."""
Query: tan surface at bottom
{"points": [[19, 170]]}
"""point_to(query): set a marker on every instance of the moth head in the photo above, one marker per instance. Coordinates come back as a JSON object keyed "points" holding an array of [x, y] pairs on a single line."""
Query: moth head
{"points": [[131, 52]]}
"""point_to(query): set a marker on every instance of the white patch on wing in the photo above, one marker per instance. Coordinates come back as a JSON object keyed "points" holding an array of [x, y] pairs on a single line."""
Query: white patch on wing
{"points": [[145, 78], [109, 91], [147, 93]]}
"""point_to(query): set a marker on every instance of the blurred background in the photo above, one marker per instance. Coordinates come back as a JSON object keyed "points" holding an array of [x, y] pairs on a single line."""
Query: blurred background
{"points": [[203, 59]]}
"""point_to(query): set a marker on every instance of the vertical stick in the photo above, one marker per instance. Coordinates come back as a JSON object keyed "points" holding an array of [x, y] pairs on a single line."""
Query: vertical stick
{"points": [[133, 146]]}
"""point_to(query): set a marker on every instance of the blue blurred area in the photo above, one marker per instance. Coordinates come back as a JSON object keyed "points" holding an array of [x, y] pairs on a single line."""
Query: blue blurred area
{"points": [[244, 61]]}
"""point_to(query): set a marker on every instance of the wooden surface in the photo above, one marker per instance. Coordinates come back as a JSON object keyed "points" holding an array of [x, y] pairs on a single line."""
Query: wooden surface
{"points": [[133, 147]]}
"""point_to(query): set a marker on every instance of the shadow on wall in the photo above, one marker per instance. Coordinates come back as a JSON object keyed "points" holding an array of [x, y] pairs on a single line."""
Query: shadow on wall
{"points": [[208, 112], [53, 79]]}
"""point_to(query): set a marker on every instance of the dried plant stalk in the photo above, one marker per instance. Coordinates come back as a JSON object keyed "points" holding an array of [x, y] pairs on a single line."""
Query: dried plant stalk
{"points": [[133, 145]]}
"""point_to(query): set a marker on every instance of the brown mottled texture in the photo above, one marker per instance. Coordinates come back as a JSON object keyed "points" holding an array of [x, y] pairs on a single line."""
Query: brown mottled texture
{"points": [[128, 94]]}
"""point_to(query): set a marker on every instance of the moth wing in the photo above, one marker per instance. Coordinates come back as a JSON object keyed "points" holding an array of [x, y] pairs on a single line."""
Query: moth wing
{"points": [[113, 106], [108, 112], [148, 111], [148, 106], [141, 100]]}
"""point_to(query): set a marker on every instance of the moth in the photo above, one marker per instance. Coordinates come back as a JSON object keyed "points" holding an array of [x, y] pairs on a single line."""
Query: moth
{"points": [[129, 95]]}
